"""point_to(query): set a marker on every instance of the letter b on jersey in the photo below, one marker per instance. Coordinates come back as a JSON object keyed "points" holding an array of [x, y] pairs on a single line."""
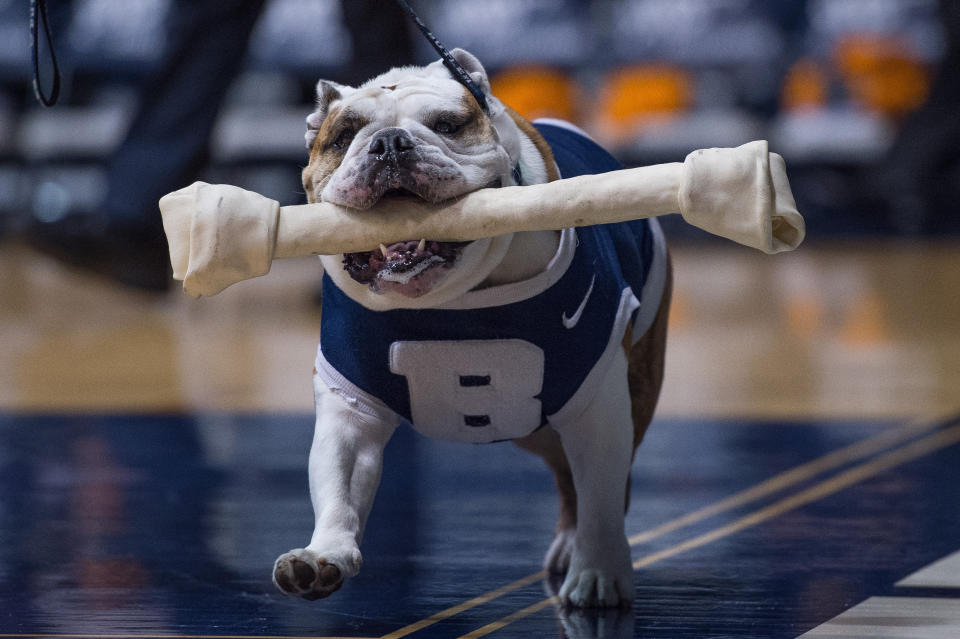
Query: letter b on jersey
{"points": [[472, 390]]}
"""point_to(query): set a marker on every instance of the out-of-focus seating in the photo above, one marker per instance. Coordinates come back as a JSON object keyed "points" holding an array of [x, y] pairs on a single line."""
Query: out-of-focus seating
{"points": [[828, 82], [633, 98], [881, 73], [538, 92]]}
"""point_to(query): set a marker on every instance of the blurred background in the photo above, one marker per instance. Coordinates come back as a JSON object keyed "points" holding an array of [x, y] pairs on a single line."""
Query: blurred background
{"points": [[153, 447], [833, 84], [859, 96]]}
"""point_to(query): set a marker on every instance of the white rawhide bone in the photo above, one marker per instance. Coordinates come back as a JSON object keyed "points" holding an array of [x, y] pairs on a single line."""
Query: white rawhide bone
{"points": [[220, 234]]}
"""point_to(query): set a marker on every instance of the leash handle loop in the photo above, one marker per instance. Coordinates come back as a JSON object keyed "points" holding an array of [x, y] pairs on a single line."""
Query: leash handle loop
{"points": [[38, 14]]}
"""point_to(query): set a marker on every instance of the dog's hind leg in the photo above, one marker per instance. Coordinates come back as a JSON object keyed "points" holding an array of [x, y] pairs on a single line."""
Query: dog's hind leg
{"points": [[345, 466], [598, 448], [545, 442], [645, 377]]}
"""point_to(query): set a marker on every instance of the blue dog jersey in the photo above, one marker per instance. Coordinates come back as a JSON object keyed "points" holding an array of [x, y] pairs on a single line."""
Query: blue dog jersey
{"points": [[508, 359]]}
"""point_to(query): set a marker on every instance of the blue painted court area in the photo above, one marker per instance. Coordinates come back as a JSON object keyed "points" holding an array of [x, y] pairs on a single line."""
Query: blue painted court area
{"points": [[168, 525]]}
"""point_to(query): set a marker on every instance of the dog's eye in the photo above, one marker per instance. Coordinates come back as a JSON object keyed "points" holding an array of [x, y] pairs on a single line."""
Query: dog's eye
{"points": [[344, 138], [445, 127]]}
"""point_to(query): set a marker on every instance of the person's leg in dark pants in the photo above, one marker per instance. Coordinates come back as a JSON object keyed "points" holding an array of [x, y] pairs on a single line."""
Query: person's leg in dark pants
{"points": [[917, 177], [166, 146], [380, 32], [168, 142]]}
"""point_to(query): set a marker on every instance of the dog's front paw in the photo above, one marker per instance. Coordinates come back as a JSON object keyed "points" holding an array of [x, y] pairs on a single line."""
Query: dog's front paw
{"points": [[599, 576], [305, 573], [557, 560]]}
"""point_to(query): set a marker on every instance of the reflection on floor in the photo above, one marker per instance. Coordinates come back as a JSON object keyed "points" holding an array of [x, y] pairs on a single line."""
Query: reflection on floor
{"points": [[139, 525]]}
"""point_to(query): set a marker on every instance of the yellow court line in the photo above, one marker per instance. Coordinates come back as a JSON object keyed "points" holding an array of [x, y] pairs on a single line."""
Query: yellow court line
{"points": [[887, 461], [509, 619], [800, 473], [466, 605]]}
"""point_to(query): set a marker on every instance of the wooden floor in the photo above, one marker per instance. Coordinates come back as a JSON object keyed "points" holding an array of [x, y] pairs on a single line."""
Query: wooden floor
{"points": [[800, 478], [166, 526], [841, 330]]}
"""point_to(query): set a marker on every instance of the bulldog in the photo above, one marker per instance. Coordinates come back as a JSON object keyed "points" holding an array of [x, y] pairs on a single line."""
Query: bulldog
{"points": [[551, 339]]}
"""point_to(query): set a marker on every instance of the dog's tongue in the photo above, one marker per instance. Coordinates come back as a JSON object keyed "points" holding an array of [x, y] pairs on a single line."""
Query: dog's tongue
{"points": [[407, 269], [413, 283], [410, 268]]}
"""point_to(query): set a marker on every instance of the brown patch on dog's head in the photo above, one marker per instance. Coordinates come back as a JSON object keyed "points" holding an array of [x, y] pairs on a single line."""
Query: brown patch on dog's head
{"points": [[469, 125], [542, 145], [321, 124], [475, 125], [329, 148]]}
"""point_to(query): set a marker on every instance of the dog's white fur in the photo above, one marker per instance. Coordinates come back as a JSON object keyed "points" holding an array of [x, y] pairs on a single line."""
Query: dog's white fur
{"points": [[346, 455], [430, 89]]}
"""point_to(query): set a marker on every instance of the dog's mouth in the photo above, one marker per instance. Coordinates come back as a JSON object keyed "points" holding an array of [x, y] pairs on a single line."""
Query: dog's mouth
{"points": [[411, 267]]}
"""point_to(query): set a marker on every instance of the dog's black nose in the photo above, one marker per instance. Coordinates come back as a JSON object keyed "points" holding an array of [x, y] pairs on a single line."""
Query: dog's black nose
{"points": [[390, 142]]}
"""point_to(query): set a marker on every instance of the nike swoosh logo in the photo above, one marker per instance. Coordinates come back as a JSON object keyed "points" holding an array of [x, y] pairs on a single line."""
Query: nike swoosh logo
{"points": [[570, 322]]}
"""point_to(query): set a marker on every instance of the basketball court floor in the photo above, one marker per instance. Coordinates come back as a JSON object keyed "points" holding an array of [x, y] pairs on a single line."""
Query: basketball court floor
{"points": [[802, 477]]}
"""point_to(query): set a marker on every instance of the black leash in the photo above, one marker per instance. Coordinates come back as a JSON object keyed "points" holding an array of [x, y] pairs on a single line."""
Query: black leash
{"points": [[459, 73], [38, 13]]}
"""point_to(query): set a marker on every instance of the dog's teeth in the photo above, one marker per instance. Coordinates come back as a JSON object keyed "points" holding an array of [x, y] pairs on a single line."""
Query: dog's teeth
{"points": [[383, 250], [422, 245]]}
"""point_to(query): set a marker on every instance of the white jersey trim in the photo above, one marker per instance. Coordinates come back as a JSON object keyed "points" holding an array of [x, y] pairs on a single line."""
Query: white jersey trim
{"points": [[591, 383], [353, 394], [651, 296], [519, 291]]}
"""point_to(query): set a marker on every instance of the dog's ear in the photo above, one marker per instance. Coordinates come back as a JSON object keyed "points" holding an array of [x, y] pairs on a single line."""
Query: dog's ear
{"points": [[327, 93], [472, 65]]}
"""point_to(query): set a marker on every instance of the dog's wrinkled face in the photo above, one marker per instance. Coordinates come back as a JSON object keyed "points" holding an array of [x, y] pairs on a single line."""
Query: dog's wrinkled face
{"points": [[411, 132], [408, 137]]}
